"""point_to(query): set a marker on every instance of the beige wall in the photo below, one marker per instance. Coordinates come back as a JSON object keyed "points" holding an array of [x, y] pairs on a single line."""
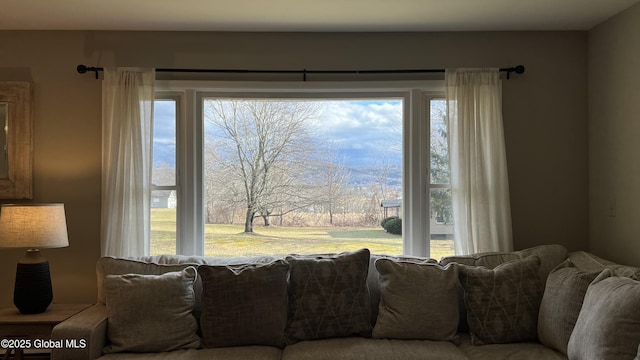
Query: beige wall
{"points": [[545, 113], [614, 137]]}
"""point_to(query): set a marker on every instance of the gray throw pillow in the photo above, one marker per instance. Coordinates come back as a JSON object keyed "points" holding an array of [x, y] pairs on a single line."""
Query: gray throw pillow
{"points": [[417, 301], [244, 305], [608, 326], [503, 303], [151, 313], [328, 296], [561, 304]]}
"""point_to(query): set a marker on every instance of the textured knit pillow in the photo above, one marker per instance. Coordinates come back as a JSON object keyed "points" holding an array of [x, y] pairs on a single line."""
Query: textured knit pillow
{"points": [[608, 326], [244, 305], [503, 303], [151, 313], [328, 296], [561, 304], [417, 301]]}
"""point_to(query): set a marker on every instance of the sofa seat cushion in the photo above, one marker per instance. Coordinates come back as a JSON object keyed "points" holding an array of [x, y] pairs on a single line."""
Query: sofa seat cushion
{"points": [[515, 351], [229, 353], [372, 349]]}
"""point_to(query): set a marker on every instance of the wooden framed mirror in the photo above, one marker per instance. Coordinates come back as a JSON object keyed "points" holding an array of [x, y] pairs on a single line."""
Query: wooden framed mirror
{"points": [[16, 140]]}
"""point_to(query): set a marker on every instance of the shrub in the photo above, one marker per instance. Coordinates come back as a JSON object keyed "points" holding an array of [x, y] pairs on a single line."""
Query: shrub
{"points": [[394, 226], [384, 221]]}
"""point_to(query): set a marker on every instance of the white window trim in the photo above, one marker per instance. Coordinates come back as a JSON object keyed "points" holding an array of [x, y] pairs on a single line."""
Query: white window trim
{"points": [[416, 173]]}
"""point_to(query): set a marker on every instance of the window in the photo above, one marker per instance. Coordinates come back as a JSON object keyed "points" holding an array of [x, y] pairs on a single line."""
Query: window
{"points": [[300, 168], [440, 208], [164, 186]]}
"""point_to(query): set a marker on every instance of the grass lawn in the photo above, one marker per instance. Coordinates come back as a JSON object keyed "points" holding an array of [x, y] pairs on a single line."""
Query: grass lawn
{"points": [[229, 240]]}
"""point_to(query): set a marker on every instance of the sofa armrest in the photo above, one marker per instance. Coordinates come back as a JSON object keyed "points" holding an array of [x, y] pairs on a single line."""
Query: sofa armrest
{"points": [[89, 330]]}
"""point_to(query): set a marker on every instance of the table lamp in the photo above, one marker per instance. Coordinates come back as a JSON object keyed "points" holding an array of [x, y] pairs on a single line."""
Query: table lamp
{"points": [[33, 226]]}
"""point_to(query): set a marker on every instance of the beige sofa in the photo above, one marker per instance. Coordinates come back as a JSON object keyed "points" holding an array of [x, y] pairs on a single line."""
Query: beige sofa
{"points": [[405, 324]]}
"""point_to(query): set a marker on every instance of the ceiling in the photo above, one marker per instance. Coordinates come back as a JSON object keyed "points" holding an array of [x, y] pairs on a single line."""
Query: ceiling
{"points": [[308, 15]]}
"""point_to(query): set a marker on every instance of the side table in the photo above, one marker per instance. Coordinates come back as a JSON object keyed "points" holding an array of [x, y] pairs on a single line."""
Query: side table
{"points": [[20, 332]]}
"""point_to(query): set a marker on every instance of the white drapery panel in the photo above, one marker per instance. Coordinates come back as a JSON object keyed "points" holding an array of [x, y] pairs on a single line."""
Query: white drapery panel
{"points": [[479, 181], [127, 112]]}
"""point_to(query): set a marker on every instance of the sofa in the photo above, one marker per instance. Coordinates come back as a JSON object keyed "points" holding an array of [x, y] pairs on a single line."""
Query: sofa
{"points": [[537, 303]]}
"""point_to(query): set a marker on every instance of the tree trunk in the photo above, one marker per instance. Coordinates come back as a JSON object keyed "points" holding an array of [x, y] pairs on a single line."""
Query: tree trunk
{"points": [[248, 220]]}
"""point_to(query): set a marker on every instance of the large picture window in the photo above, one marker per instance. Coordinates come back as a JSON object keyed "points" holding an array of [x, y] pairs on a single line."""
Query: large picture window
{"points": [[252, 171]]}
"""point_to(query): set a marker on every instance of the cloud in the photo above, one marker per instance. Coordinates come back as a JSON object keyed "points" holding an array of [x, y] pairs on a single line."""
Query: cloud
{"points": [[164, 122], [366, 132]]}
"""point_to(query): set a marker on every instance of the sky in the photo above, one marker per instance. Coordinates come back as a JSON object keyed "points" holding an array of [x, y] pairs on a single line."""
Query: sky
{"points": [[367, 132]]}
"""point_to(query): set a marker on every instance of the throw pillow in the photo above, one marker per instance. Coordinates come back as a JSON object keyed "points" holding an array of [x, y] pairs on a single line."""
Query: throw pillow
{"points": [[503, 303], [151, 313], [328, 296], [244, 305], [417, 301], [561, 304], [608, 326], [373, 277]]}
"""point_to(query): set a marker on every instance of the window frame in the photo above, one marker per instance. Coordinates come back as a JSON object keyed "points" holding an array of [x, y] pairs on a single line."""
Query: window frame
{"points": [[189, 96]]}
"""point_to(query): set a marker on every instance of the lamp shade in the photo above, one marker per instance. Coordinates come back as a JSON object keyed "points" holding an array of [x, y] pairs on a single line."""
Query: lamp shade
{"points": [[33, 226]]}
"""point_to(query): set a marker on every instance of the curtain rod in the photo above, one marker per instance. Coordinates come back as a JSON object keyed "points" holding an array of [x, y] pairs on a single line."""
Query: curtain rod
{"points": [[82, 69]]}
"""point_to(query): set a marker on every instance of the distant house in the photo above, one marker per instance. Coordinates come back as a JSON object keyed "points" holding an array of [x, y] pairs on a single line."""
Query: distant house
{"points": [[164, 199], [393, 205], [439, 230]]}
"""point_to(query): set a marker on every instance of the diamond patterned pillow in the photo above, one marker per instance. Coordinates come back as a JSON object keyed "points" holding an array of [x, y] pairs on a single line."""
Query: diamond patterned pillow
{"points": [[503, 303], [244, 304], [328, 296]]}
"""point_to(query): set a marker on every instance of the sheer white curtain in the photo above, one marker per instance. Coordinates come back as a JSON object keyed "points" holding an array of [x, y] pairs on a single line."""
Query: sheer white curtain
{"points": [[479, 182], [127, 112]]}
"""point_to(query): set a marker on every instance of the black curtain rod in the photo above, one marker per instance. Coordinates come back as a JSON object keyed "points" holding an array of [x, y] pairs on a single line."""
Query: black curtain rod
{"points": [[82, 69]]}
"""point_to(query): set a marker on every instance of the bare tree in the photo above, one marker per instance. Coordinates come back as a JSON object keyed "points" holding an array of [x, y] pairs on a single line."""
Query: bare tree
{"points": [[263, 145], [333, 177]]}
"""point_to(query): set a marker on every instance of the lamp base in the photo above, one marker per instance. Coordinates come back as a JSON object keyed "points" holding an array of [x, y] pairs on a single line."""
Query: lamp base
{"points": [[33, 291]]}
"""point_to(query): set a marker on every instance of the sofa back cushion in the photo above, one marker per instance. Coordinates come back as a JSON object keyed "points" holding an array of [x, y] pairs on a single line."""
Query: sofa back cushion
{"points": [[550, 257], [589, 262]]}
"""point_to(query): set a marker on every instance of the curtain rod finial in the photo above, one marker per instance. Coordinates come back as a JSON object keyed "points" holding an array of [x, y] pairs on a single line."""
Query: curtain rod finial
{"points": [[82, 69], [519, 69]]}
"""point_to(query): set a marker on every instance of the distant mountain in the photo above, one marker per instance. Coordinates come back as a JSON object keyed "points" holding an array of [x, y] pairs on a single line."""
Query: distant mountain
{"points": [[360, 165], [364, 175]]}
